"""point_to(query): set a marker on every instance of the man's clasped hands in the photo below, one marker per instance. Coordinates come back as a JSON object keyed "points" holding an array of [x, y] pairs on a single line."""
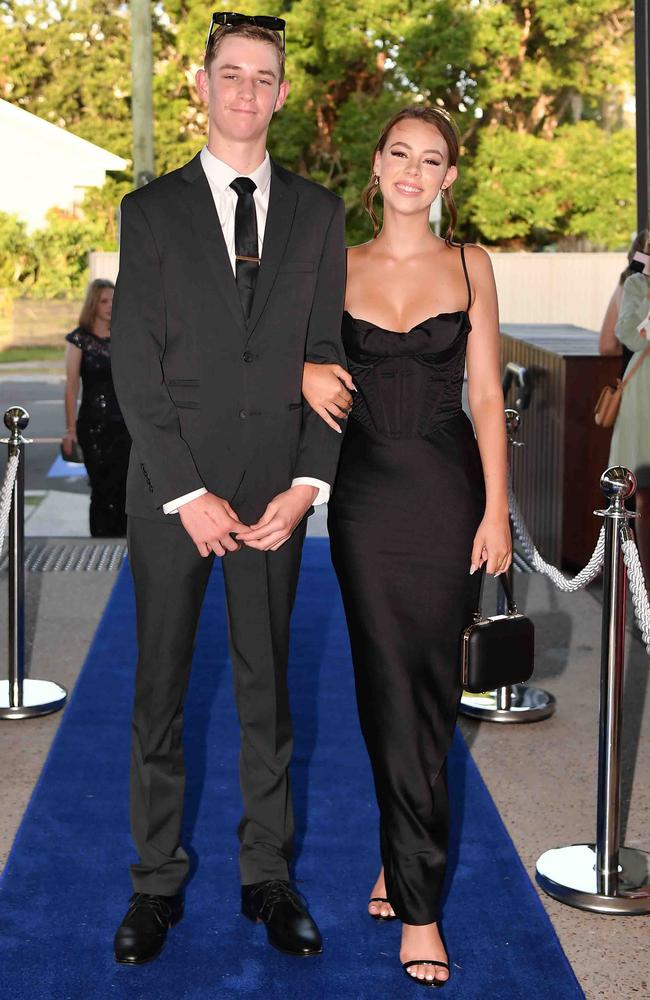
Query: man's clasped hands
{"points": [[214, 526]]}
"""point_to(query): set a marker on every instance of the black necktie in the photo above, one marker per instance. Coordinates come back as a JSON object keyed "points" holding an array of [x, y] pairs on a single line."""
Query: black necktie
{"points": [[246, 247]]}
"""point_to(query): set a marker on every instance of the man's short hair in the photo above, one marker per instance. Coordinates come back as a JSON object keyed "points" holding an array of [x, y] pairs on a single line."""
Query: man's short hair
{"points": [[251, 31]]}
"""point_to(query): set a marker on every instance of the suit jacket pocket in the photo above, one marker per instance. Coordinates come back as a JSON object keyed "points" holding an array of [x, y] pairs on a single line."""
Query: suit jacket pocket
{"points": [[183, 381], [186, 404]]}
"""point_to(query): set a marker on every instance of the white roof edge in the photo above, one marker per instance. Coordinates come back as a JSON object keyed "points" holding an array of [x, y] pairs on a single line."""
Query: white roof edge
{"points": [[110, 161]]}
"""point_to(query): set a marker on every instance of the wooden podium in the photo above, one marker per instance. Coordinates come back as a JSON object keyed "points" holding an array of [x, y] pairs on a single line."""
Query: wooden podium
{"points": [[564, 453]]}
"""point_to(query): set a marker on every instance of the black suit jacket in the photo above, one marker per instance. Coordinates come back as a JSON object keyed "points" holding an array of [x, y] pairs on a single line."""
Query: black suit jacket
{"points": [[210, 399]]}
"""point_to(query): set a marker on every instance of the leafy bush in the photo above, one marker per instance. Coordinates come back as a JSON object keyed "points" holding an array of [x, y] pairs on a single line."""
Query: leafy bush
{"points": [[18, 260]]}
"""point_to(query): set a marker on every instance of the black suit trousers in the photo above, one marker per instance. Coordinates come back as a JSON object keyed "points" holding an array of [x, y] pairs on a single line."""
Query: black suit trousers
{"points": [[170, 578]]}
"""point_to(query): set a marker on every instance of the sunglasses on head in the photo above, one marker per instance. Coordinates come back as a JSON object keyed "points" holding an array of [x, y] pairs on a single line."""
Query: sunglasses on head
{"points": [[228, 19]]}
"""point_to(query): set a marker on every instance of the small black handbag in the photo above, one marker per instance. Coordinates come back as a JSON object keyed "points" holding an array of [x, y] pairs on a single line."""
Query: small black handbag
{"points": [[73, 454], [497, 651]]}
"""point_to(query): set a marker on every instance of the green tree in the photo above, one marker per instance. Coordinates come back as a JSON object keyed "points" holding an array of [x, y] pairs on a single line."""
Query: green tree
{"points": [[68, 62], [579, 184], [593, 176], [62, 249], [18, 259], [539, 63], [517, 75], [510, 181]]}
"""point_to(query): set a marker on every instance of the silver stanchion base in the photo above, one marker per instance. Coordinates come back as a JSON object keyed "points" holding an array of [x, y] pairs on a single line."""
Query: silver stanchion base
{"points": [[39, 698], [569, 874], [527, 704]]}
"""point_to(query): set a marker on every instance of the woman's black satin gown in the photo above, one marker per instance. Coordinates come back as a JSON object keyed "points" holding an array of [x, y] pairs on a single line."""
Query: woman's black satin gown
{"points": [[408, 498]]}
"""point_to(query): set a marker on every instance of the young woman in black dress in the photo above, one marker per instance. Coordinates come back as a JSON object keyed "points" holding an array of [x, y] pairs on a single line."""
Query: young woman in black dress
{"points": [[418, 505], [99, 426]]}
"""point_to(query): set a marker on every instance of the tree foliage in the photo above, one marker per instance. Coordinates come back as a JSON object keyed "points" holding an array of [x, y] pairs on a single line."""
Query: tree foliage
{"points": [[537, 89], [577, 185], [17, 255]]}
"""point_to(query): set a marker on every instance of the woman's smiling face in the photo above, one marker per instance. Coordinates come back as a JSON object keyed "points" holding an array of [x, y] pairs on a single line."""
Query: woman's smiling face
{"points": [[413, 166]]}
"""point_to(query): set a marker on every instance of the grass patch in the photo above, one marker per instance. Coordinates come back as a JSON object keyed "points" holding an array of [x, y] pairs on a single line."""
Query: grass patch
{"points": [[36, 353]]}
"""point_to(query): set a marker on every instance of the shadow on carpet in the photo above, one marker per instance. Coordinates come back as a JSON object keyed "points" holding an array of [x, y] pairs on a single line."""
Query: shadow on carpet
{"points": [[66, 886]]}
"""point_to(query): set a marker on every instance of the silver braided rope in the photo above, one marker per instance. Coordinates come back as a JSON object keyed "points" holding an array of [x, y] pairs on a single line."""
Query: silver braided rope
{"points": [[585, 576], [638, 588], [5, 496]]}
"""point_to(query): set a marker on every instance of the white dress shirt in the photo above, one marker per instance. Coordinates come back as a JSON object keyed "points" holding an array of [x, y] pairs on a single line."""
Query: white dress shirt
{"points": [[220, 176]]}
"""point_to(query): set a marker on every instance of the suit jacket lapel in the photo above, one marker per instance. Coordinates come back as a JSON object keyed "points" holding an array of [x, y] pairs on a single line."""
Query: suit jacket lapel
{"points": [[206, 222], [282, 207]]}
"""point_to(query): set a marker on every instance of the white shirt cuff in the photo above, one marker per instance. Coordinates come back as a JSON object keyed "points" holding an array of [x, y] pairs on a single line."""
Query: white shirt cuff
{"points": [[324, 489], [172, 506]]}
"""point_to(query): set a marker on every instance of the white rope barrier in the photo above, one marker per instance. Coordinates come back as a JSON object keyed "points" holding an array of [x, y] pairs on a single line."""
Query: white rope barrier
{"points": [[591, 570], [5, 495], [569, 586], [638, 588]]}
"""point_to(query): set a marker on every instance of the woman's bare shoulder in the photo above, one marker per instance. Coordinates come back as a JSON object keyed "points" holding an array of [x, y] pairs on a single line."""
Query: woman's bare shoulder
{"points": [[479, 265], [358, 255], [475, 253]]}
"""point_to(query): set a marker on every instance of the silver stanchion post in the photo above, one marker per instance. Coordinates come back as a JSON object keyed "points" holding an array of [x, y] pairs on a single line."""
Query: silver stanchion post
{"points": [[21, 697], [517, 702], [604, 876]]}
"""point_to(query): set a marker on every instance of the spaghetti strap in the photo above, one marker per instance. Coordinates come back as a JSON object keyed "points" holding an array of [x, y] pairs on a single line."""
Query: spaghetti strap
{"points": [[469, 287]]}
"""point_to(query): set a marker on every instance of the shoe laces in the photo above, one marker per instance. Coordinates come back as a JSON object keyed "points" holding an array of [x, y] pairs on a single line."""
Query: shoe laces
{"points": [[158, 905], [274, 892]]}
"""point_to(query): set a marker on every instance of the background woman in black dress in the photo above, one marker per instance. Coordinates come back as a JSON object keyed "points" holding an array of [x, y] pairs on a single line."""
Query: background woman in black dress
{"points": [[418, 505], [98, 426]]}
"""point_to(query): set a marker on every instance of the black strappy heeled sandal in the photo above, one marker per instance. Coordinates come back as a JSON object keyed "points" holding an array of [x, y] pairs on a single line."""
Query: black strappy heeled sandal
{"points": [[433, 984], [380, 916]]}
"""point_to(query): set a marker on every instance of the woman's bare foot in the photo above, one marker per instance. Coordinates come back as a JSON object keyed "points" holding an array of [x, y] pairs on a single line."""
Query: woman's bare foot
{"points": [[384, 910], [423, 942]]}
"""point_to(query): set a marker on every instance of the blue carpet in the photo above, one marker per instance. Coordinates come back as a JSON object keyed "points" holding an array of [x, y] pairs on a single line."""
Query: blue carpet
{"points": [[65, 886]]}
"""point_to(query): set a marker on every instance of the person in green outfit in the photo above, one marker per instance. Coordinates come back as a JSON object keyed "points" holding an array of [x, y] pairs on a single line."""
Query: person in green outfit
{"points": [[631, 437]]}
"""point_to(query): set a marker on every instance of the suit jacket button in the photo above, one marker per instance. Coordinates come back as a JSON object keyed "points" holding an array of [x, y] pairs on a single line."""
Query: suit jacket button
{"points": [[242, 414], [247, 356]]}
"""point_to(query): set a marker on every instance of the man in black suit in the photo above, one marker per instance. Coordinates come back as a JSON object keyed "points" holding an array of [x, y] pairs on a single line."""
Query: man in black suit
{"points": [[231, 275]]}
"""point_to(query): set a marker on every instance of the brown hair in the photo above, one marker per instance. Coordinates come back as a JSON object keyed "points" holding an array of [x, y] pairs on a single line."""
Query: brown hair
{"points": [[88, 312], [441, 120], [641, 242], [251, 31]]}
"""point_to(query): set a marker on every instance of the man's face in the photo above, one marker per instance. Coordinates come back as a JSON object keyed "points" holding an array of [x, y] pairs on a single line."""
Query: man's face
{"points": [[242, 89]]}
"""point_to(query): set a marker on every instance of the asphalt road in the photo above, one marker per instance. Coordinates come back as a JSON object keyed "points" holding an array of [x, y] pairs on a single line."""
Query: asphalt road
{"points": [[42, 396]]}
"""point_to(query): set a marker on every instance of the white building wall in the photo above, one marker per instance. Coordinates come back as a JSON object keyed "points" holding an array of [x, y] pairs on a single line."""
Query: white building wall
{"points": [[43, 166], [532, 287], [556, 287]]}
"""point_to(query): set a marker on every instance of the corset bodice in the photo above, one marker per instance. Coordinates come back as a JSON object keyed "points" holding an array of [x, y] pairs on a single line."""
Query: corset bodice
{"points": [[407, 383]]}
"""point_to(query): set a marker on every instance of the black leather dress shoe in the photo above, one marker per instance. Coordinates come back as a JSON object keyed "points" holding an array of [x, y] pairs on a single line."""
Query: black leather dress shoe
{"points": [[289, 926], [141, 935]]}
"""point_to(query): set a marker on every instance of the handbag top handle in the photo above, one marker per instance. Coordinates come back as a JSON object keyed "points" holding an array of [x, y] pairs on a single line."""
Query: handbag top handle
{"points": [[507, 589]]}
